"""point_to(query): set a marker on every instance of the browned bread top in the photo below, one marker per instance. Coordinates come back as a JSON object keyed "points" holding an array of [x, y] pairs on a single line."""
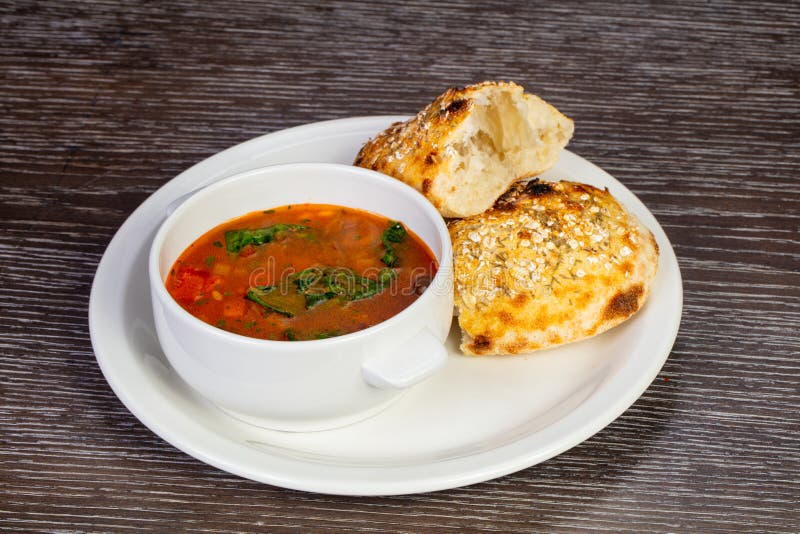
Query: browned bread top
{"points": [[470, 144], [550, 263]]}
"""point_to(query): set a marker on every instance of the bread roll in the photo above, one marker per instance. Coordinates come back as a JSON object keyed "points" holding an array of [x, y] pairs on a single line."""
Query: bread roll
{"points": [[468, 146], [550, 263]]}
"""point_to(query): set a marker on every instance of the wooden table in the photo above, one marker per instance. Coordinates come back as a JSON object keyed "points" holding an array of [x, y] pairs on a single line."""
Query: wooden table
{"points": [[693, 107]]}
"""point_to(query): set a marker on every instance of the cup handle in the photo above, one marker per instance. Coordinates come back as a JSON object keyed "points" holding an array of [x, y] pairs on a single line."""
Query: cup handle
{"points": [[411, 362]]}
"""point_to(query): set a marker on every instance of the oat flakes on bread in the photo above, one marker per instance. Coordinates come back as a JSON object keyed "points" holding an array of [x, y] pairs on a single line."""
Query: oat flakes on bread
{"points": [[467, 147], [550, 263]]}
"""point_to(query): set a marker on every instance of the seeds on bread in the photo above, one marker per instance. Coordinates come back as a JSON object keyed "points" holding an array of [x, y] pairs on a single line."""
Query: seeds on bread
{"points": [[550, 263]]}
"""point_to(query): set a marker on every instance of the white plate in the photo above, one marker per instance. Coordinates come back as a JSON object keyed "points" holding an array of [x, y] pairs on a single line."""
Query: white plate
{"points": [[479, 418]]}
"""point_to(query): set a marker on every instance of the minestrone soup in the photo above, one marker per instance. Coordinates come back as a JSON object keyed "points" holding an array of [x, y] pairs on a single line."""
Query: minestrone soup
{"points": [[301, 272]]}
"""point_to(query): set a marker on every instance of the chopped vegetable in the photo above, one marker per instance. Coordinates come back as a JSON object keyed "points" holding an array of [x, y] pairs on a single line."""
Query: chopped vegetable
{"points": [[395, 233], [390, 258], [326, 335], [319, 284], [235, 240], [307, 278], [289, 304]]}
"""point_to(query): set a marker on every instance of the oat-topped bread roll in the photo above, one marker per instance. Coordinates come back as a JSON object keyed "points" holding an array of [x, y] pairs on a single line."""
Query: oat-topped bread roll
{"points": [[550, 263], [466, 148]]}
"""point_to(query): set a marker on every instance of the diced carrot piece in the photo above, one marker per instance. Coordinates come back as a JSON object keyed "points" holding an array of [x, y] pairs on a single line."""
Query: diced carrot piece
{"points": [[222, 269], [234, 308]]}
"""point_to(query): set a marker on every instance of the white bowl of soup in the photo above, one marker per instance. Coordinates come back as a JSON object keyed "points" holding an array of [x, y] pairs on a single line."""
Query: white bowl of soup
{"points": [[305, 296]]}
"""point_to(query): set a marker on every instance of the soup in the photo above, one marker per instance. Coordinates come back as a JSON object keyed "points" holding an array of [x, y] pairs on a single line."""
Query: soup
{"points": [[301, 272]]}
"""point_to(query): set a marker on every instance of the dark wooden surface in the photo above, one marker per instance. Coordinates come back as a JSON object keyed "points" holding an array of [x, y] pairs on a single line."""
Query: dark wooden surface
{"points": [[694, 107]]}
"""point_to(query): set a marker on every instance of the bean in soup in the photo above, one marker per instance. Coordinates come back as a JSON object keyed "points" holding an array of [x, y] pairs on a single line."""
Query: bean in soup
{"points": [[301, 272]]}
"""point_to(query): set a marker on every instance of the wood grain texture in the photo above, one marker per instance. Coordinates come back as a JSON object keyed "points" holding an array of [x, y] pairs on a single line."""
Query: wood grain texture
{"points": [[694, 106]]}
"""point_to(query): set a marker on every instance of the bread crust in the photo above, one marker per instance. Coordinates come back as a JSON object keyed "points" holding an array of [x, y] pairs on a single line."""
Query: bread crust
{"points": [[550, 263], [431, 151]]}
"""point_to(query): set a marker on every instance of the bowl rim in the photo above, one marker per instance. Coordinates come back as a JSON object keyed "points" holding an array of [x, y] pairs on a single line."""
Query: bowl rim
{"points": [[445, 262]]}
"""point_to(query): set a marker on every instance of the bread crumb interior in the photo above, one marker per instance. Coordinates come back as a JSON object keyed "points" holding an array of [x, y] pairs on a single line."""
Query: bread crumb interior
{"points": [[498, 145]]}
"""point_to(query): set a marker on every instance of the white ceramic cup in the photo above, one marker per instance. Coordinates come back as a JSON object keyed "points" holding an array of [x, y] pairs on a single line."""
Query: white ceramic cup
{"points": [[304, 385]]}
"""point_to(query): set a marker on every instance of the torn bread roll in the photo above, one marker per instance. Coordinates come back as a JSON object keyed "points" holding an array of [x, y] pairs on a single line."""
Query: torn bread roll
{"points": [[467, 147], [550, 263]]}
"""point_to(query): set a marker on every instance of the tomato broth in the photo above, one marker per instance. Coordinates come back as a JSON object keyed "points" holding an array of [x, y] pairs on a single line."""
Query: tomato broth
{"points": [[301, 272]]}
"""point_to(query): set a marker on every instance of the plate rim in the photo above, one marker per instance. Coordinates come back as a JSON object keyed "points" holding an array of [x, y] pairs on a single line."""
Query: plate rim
{"points": [[479, 471]]}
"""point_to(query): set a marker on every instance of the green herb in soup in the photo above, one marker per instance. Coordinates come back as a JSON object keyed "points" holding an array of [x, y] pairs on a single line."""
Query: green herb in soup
{"points": [[318, 284], [391, 236], [235, 240], [272, 298]]}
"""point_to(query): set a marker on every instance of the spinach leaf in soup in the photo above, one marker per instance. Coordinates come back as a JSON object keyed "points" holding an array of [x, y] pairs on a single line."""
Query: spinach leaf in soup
{"points": [[394, 234], [236, 240], [288, 303]]}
